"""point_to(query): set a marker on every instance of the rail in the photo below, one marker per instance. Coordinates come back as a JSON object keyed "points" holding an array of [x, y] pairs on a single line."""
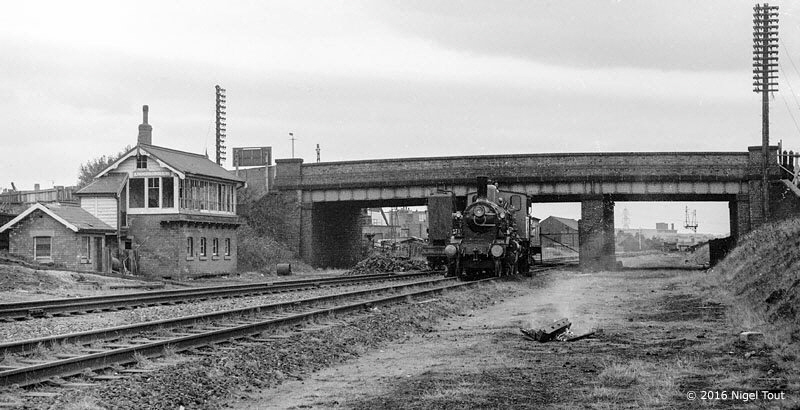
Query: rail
{"points": [[95, 304], [120, 347]]}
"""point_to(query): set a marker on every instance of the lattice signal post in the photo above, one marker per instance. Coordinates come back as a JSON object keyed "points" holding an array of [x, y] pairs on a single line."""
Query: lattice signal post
{"points": [[765, 76], [221, 101]]}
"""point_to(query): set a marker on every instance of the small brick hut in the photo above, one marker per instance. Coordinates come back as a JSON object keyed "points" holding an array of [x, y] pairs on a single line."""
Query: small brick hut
{"points": [[63, 235]]}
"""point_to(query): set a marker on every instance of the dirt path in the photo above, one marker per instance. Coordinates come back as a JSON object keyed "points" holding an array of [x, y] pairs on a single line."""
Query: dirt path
{"points": [[660, 339]]}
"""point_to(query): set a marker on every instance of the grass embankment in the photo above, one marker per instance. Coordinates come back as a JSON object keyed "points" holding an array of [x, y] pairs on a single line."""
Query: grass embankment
{"points": [[762, 279]]}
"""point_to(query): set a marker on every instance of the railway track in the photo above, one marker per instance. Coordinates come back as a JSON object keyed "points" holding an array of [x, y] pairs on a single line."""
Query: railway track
{"points": [[94, 304], [39, 360]]}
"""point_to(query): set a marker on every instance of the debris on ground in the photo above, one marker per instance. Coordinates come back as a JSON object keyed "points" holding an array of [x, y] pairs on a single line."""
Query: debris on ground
{"points": [[383, 263], [558, 330], [583, 336], [750, 336], [548, 333]]}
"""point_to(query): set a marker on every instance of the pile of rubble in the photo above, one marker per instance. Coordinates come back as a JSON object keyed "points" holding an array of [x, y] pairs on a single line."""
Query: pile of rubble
{"points": [[558, 330], [383, 263]]}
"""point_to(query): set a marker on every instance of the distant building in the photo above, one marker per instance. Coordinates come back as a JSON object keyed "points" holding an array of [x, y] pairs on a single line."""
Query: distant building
{"points": [[254, 165], [670, 237], [402, 223], [14, 202], [556, 231]]}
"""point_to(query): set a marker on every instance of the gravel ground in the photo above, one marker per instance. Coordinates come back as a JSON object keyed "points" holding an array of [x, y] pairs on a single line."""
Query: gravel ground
{"points": [[229, 374], [28, 329]]}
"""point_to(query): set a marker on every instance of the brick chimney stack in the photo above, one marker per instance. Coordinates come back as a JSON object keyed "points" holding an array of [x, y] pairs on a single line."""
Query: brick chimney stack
{"points": [[145, 129]]}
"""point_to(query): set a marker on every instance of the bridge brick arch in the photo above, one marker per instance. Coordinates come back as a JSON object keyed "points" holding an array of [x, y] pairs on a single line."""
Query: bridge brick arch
{"points": [[331, 195]]}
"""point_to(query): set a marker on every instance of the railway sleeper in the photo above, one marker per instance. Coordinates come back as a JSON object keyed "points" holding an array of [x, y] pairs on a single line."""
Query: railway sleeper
{"points": [[120, 345], [109, 377], [136, 371], [73, 384]]}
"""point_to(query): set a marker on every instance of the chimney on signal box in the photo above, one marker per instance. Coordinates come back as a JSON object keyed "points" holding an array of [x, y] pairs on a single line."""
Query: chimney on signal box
{"points": [[145, 129]]}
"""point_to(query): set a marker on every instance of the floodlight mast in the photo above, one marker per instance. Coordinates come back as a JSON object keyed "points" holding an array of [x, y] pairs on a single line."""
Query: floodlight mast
{"points": [[765, 79]]}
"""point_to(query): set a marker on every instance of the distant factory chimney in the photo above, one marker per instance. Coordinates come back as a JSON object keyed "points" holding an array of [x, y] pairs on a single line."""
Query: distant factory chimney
{"points": [[145, 129]]}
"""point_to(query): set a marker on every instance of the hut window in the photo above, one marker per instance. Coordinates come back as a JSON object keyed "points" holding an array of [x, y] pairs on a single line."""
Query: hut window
{"points": [[41, 247], [87, 247]]}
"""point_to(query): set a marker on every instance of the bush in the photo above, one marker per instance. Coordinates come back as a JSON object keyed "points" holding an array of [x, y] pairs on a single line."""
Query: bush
{"points": [[260, 253]]}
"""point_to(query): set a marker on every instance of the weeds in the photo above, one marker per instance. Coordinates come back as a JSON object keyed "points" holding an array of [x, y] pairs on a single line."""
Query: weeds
{"points": [[142, 361]]}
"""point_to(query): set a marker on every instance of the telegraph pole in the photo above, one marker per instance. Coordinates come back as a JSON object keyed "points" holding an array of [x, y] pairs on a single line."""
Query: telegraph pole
{"points": [[765, 79], [221, 101]]}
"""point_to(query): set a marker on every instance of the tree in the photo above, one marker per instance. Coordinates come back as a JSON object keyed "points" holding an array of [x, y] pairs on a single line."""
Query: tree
{"points": [[88, 170]]}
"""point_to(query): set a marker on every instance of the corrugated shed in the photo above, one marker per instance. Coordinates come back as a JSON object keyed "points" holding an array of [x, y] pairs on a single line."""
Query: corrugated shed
{"points": [[571, 223]]}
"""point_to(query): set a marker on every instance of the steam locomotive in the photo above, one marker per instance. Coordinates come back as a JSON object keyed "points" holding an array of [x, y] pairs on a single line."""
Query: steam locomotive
{"points": [[490, 237]]}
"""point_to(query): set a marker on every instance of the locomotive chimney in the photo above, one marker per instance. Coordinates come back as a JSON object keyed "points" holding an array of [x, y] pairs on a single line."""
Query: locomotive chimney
{"points": [[482, 186]]}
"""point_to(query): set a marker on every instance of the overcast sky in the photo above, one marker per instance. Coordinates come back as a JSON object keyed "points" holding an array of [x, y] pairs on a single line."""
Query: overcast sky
{"points": [[377, 79]]}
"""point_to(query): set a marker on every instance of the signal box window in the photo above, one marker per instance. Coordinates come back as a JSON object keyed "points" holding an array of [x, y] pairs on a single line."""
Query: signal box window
{"points": [[190, 247], [136, 187], [167, 193], [152, 192]]}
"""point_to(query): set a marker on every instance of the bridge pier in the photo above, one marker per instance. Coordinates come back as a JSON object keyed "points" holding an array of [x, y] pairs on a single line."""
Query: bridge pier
{"points": [[333, 234], [596, 233], [739, 211]]}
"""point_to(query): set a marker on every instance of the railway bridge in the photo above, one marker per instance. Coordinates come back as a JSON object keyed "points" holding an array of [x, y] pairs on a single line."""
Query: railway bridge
{"points": [[323, 201]]}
